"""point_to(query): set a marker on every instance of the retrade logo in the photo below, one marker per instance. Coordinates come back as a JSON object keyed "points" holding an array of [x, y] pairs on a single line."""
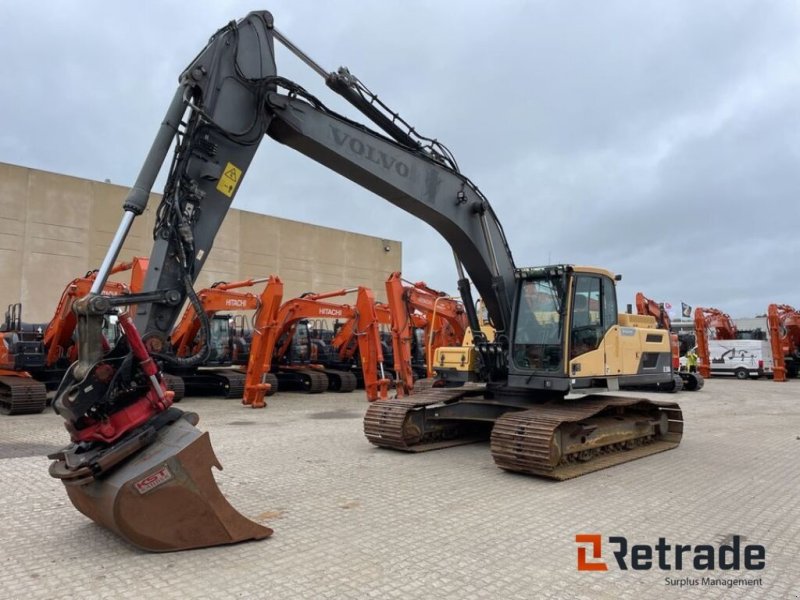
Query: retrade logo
{"points": [[730, 555], [596, 547]]}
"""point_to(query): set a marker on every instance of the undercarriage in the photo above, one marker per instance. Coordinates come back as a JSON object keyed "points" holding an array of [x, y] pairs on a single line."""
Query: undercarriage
{"points": [[556, 439]]}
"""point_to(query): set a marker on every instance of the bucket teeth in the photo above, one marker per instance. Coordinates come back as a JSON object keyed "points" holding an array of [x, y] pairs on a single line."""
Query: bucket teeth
{"points": [[164, 498]]}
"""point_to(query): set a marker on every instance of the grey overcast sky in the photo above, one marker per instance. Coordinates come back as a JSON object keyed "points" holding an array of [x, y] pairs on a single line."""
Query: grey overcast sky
{"points": [[660, 140]]}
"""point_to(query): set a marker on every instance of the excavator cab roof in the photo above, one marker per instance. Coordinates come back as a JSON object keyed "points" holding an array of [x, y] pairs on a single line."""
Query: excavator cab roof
{"points": [[556, 270]]}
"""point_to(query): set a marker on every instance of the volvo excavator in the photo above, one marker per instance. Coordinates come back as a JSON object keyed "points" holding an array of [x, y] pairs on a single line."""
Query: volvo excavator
{"points": [[140, 466]]}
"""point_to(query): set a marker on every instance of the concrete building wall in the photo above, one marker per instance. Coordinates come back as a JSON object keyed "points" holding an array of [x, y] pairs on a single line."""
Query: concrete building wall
{"points": [[54, 228]]}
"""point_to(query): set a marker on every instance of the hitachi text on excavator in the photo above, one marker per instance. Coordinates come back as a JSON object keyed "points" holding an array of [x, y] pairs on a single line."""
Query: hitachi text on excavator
{"points": [[139, 466]]}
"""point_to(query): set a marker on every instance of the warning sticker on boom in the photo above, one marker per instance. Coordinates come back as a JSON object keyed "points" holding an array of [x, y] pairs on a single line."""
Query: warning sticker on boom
{"points": [[229, 180]]}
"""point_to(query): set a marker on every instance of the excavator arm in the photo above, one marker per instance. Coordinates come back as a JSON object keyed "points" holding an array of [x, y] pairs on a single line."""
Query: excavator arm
{"points": [[444, 323]]}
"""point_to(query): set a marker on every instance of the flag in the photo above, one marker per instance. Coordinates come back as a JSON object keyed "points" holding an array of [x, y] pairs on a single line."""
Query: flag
{"points": [[686, 310]]}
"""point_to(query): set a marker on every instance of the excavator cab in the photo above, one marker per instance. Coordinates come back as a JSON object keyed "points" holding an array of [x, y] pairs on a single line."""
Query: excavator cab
{"points": [[221, 342], [568, 335], [24, 347], [300, 347]]}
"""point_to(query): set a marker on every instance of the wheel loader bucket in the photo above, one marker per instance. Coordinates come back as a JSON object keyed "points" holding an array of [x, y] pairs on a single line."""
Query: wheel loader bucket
{"points": [[164, 498]]}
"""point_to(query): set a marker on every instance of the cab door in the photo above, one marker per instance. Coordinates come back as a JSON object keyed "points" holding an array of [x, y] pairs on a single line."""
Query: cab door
{"points": [[594, 312]]}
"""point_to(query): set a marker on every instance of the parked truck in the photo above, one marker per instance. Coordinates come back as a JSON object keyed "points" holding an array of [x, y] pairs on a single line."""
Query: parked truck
{"points": [[743, 359]]}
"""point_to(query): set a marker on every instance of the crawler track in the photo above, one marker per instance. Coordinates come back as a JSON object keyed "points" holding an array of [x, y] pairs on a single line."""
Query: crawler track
{"points": [[341, 381], [22, 396], [234, 388], [307, 380], [392, 424], [175, 384], [568, 439]]}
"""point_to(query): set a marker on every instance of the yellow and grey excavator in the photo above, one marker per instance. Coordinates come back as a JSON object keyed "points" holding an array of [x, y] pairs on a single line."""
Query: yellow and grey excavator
{"points": [[139, 466]]}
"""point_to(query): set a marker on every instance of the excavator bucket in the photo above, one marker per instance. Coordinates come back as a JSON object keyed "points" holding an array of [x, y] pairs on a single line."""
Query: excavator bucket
{"points": [[164, 498]]}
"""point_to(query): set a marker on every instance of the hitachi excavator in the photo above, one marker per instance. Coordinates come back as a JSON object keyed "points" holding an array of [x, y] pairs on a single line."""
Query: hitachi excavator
{"points": [[34, 357], [723, 327], [221, 296], [783, 322], [396, 350], [21, 350], [139, 466], [275, 341], [443, 324]]}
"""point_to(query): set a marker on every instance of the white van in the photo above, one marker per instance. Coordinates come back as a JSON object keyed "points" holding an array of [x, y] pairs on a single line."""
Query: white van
{"points": [[741, 358]]}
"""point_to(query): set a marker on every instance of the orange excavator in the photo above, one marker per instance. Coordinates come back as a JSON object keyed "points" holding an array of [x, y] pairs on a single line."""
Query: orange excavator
{"points": [[59, 336], [274, 335], [187, 337], [346, 345], [706, 319], [21, 350], [691, 382], [41, 354], [443, 322], [783, 322]]}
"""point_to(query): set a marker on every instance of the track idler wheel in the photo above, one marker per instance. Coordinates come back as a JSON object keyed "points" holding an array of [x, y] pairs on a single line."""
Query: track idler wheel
{"points": [[164, 497]]}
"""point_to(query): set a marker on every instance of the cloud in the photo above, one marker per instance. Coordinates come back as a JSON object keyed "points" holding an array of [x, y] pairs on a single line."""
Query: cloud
{"points": [[656, 139]]}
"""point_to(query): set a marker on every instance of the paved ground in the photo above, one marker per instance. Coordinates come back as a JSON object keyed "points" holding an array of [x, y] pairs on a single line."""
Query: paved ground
{"points": [[353, 521]]}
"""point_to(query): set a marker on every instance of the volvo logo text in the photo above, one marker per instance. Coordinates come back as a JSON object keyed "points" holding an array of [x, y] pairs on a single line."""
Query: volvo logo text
{"points": [[371, 153]]}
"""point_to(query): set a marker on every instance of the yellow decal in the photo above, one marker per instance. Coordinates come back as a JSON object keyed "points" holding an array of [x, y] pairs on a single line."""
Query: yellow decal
{"points": [[230, 178]]}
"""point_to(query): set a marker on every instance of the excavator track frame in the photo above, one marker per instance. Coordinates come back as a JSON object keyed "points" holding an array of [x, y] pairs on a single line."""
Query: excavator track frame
{"points": [[175, 385], [225, 383]]}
